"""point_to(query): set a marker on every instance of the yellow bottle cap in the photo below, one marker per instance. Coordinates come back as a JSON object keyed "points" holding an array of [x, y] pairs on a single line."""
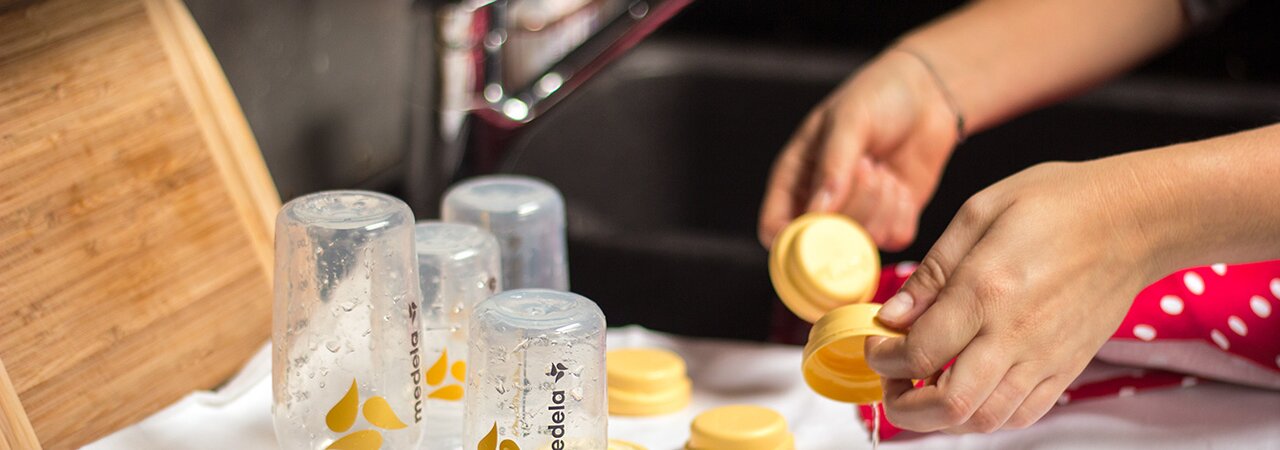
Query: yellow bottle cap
{"points": [[821, 262], [834, 364], [740, 427], [646, 382], [618, 444]]}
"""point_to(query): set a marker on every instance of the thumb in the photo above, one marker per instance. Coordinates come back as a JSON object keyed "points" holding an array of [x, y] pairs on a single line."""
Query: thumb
{"points": [[917, 294]]}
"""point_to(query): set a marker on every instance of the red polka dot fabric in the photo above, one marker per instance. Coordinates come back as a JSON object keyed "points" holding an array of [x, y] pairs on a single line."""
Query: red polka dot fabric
{"points": [[1222, 314], [1219, 322]]}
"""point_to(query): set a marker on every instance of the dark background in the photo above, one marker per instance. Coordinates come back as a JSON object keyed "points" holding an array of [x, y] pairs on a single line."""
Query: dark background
{"points": [[324, 83]]}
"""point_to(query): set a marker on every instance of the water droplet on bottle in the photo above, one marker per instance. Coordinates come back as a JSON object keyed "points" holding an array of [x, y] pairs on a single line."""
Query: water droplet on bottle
{"points": [[576, 393], [333, 346], [348, 306]]}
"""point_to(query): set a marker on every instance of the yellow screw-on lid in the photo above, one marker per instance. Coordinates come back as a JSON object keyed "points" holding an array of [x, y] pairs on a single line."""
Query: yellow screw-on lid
{"points": [[821, 262], [646, 382], [618, 444], [740, 427], [834, 363]]}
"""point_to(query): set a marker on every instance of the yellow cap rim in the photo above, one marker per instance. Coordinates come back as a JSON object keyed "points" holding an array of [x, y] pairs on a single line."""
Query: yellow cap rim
{"points": [[629, 403], [778, 272], [789, 444], [833, 364], [619, 444]]}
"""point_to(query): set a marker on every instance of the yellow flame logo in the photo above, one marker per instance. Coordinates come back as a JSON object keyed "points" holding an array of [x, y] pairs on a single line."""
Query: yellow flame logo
{"points": [[343, 415], [490, 441], [439, 371]]}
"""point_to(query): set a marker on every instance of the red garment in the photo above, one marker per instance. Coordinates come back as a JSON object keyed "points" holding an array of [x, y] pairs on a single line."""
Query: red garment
{"points": [[1218, 322]]}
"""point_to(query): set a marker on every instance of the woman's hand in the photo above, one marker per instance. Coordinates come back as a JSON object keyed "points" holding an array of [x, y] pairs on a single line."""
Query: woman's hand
{"points": [[873, 150], [1023, 288]]}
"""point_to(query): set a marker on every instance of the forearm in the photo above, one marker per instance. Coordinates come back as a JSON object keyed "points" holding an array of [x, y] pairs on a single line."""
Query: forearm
{"points": [[1002, 57], [1209, 201]]}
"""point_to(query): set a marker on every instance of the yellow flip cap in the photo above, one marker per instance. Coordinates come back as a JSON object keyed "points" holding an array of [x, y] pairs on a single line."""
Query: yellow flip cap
{"points": [[821, 262], [834, 364], [646, 382], [740, 427]]}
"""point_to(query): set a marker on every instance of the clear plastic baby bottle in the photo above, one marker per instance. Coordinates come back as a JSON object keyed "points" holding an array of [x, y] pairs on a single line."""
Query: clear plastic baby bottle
{"points": [[347, 362], [459, 267], [527, 217], [537, 373]]}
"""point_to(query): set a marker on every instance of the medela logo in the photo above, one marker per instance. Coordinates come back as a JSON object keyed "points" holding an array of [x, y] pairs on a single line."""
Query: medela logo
{"points": [[556, 406], [559, 414], [416, 358]]}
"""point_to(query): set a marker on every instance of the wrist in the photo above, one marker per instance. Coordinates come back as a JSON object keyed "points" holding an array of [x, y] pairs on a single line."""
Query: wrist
{"points": [[1189, 207], [934, 110], [1138, 227], [942, 94]]}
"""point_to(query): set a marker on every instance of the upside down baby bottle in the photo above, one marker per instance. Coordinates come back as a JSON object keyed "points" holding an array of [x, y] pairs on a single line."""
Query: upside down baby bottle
{"points": [[536, 378], [528, 218], [347, 342], [459, 267]]}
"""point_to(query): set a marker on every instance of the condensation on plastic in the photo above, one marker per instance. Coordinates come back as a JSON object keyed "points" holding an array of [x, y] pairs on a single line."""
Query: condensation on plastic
{"points": [[537, 373], [459, 266], [347, 360]]}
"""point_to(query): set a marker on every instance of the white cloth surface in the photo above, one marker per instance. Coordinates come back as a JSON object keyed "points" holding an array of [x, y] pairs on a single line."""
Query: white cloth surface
{"points": [[1208, 415]]}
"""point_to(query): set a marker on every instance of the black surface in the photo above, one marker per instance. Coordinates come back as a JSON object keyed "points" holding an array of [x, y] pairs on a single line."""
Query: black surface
{"points": [[1242, 47], [325, 84], [663, 161]]}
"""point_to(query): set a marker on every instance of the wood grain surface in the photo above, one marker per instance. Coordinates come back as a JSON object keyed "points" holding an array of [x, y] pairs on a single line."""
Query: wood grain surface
{"points": [[135, 216], [15, 430]]}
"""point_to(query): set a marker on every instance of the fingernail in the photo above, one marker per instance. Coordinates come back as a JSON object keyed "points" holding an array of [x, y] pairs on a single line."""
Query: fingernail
{"points": [[822, 202], [865, 164], [766, 239], [896, 308], [873, 341]]}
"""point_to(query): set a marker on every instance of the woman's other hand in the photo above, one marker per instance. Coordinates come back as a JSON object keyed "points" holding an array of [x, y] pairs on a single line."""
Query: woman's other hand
{"points": [[873, 150]]}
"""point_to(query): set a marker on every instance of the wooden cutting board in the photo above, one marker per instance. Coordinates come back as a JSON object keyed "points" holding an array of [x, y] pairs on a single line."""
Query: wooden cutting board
{"points": [[135, 218]]}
